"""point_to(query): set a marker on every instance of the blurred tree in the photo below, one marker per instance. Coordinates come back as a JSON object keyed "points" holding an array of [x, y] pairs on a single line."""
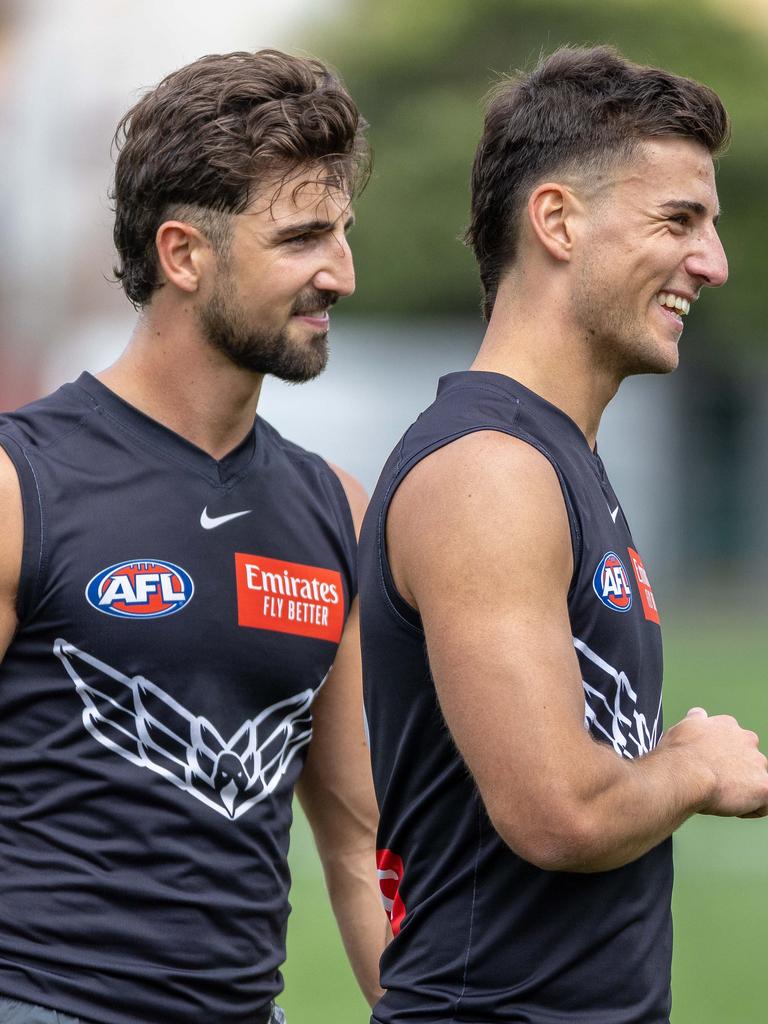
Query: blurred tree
{"points": [[419, 73]]}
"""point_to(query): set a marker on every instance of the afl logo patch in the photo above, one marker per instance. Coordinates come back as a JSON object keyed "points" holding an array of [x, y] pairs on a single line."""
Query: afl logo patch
{"points": [[146, 589], [611, 583]]}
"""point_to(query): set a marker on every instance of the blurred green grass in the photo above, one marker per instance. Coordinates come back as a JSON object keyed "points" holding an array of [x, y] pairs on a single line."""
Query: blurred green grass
{"points": [[721, 888]]}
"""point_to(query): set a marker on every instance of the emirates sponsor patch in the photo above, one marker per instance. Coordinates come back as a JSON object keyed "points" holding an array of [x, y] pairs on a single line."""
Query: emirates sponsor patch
{"points": [[650, 610], [287, 597]]}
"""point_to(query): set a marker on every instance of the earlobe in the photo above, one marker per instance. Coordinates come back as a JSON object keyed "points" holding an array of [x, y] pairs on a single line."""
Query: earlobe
{"points": [[180, 251], [549, 213]]}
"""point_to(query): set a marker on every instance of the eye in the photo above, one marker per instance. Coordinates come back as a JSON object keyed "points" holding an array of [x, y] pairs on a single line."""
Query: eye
{"points": [[299, 240], [683, 219]]}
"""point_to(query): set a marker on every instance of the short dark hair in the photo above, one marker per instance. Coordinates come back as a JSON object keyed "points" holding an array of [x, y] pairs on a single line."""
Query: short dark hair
{"points": [[198, 145], [580, 109]]}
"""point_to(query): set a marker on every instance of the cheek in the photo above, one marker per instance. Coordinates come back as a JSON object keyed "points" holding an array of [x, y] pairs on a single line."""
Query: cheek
{"points": [[286, 279]]}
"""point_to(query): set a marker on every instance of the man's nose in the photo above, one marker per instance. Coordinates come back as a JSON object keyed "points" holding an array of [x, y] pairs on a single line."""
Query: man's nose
{"points": [[337, 273], [708, 261]]}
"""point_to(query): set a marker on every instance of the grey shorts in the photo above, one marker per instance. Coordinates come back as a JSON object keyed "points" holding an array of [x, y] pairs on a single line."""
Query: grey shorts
{"points": [[12, 1011]]}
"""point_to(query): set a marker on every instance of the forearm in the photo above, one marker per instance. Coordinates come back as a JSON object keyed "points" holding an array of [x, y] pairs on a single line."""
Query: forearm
{"points": [[627, 807], [589, 809], [353, 890]]}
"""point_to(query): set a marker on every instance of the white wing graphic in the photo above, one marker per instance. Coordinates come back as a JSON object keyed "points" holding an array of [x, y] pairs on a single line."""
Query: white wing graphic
{"points": [[613, 714], [142, 723]]}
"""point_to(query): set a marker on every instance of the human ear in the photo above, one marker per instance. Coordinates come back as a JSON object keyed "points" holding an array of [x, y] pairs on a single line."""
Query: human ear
{"points": [[551, 209], [181, 253]]}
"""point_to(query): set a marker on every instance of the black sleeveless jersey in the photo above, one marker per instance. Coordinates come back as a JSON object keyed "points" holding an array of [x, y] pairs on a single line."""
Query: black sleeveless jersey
{"points": [[480, 934], [177, 617]]}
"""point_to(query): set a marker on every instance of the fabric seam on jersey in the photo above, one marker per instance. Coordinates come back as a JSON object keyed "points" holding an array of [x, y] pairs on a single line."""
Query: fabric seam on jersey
{"points": [[400, 447], [61, 437], [42, 565], [383, 561], [28, 592], [479, 822]]}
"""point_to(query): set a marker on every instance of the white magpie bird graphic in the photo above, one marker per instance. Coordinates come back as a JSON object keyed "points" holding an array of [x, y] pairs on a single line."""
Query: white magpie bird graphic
{"points": [[138, 720]]}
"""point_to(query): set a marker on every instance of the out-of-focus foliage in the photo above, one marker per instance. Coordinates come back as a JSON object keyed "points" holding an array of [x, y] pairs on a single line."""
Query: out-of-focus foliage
{"points": [[420, 71]]}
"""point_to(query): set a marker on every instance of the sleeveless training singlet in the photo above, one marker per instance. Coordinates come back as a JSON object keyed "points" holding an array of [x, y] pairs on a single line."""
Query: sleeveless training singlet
{"points": [[480, 934], [177, 617]]}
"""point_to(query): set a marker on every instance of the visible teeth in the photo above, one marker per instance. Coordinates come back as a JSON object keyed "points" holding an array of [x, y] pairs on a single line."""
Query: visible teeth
{"points": [[676, 302]]}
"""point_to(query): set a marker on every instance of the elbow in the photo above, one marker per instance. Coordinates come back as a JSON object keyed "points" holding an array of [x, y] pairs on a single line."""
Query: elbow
{"points": [[568, 839]]}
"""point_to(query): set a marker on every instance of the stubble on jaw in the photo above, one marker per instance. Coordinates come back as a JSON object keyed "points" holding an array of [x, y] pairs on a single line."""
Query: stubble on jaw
{"points": [[620, 344], [224, 326]]}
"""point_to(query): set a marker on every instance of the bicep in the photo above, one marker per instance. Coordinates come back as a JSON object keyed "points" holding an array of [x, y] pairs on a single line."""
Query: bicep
{"points": [[356, 494], [11, 542], [336, 786], [481, 541]]}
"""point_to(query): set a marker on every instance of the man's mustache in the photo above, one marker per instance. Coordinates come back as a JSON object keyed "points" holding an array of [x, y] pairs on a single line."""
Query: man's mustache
{"points": [[314, 302]]}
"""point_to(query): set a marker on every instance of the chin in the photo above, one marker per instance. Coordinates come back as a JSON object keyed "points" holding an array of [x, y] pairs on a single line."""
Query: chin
{"points": [[652, 355], [665, 361]]}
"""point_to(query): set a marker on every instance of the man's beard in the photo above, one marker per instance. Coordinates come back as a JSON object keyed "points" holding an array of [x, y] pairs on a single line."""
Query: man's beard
{"points": [[225, 327]]}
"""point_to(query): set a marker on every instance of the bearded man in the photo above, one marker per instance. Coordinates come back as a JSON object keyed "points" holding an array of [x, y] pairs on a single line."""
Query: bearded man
{"points": [[178, 586]]}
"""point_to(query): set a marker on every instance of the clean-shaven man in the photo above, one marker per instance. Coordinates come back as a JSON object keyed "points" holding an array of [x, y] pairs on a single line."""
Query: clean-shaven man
{"points": [[511, 638]]}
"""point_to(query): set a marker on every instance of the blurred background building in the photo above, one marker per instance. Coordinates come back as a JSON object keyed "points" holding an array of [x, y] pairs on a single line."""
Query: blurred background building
{"points": [[686, 454]]}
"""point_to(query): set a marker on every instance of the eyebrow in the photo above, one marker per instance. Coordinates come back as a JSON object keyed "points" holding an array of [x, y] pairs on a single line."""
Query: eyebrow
{"points": [[311, 227], [690, 207]]}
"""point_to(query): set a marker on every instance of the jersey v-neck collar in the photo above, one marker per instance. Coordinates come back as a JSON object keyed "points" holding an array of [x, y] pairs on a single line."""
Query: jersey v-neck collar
{"points": [[166, 441]]}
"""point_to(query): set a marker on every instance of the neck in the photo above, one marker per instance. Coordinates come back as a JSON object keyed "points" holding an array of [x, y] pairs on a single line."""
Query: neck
{"points": [[534, 341], [172, 375]]}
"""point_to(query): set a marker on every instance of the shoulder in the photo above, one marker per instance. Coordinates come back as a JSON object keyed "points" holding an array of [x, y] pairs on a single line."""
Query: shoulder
{"points": [[485, 469], [475, 509], [305, 461], [355, 492], [48, 421]]}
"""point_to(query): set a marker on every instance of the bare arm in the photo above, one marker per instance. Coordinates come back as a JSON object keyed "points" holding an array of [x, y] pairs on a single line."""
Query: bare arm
{"points": [[11, 541], [336, 792], [478, 540]]}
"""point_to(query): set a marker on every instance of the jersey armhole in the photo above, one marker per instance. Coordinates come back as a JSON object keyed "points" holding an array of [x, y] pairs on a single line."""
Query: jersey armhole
{"points": [[32, 566], [401, 608]]}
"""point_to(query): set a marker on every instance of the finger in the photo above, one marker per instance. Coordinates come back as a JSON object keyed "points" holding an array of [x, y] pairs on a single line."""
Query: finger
{"points": [[697, 713]]}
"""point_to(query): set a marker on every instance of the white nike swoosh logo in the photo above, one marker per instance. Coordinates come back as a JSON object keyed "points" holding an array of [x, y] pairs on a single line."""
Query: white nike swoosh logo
{"points": [[211, 522], [614, 513]]}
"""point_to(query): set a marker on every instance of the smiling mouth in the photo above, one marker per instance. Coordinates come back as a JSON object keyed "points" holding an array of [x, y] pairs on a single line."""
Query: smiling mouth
{"points": [[317, 317], [675, 303]]}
